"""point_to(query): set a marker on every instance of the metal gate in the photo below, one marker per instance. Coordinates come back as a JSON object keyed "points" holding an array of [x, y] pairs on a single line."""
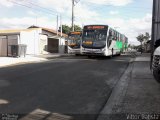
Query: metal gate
{"points": [[3, 46], [53, 45]]}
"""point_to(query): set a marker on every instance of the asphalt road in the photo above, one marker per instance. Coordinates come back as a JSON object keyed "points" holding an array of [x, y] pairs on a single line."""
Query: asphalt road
{"points": [[75, 86]]}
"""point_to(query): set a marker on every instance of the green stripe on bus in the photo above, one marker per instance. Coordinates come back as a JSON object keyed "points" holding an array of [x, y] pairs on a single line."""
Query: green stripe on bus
{"points": [[119, 44]]}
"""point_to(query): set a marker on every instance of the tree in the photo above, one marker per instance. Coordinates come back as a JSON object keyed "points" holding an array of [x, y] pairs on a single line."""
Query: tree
{"points": [[146, 39], [66, 29], [143, 38], [77, 28], [147, 36], [140, 38], [129, 46]]}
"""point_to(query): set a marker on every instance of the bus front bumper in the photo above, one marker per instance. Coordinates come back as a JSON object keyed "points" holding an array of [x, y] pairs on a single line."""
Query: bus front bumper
{"points": [[95, 52], [74, 51]]}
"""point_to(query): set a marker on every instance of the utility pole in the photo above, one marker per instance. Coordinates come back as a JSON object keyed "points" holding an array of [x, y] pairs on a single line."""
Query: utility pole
{"points": [[73, 4], [57, 25], [61, 24], [72, 15]]}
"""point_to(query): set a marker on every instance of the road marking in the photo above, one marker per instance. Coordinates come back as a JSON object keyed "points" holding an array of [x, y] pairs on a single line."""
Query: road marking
{"points": [[3, 101], [39, 114]]}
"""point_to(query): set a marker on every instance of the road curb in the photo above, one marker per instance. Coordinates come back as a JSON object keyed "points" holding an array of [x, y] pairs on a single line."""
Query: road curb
{"points": [[113, 104]]}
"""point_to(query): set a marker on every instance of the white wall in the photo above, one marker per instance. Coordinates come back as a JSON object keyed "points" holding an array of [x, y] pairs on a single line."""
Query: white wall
{"points": [[61, 45], [43, 43], [31, 39]]}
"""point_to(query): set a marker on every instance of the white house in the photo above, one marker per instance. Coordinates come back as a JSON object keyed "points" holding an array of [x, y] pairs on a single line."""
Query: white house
{"points": [[38, 41], [56, 43]]}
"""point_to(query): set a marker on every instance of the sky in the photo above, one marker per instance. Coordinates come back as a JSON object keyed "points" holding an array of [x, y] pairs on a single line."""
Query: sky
{"points": [[129, 17]]}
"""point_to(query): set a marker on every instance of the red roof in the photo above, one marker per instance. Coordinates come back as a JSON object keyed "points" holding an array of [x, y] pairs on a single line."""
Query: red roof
{"points": [[50, 30]]}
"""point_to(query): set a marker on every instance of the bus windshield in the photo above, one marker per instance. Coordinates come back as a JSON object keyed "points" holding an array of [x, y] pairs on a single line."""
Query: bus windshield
{"points": [[74, 40], [94, 35], [74, 37]]}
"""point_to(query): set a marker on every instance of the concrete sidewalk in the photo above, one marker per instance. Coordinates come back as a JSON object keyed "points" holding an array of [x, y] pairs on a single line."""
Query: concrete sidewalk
{"points": [[9, 61], [136, 95]]}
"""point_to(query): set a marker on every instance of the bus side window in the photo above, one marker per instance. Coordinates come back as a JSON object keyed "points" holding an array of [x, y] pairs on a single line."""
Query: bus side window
{"points": [[109, 41], [110, 33], [121, 38], [115, 35], [118, 36]]}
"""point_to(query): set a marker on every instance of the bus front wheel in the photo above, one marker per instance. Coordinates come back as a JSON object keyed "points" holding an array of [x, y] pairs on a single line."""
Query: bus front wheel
{"points": [[156, 74]]}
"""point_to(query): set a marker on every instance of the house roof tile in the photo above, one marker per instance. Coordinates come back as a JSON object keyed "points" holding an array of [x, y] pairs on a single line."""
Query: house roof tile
{"points": [[49, 30]]}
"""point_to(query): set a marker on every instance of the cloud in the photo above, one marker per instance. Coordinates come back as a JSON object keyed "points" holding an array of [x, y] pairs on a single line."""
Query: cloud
{"points": [[83, 13], [31, 13], [13, 23], [113, 12], [59, 6], [6, 3], [139, 26], [134, 27], [111, 2]]}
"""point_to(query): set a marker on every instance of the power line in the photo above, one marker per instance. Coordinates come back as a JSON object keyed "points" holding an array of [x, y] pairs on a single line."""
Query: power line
{"points": [[30, 7], [38, 10], [43, 9], [49, 10]]}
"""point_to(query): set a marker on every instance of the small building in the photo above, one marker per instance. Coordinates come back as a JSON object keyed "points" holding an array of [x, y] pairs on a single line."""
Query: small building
{"points": [[56, 42], [38, 40]]}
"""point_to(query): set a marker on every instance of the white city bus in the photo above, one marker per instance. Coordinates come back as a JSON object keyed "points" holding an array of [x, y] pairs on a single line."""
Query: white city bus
{"points": [[74, 42], [102, 40]]}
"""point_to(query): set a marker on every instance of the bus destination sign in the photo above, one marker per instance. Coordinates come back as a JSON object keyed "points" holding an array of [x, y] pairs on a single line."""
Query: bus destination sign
{"points": [[95, 27]]}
